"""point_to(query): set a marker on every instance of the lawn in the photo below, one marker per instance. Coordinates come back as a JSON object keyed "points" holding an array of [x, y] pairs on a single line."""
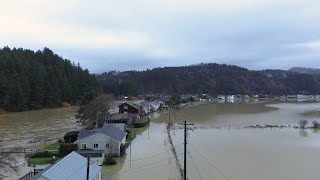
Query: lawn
{"points": [[52, 147], [39, 161]]}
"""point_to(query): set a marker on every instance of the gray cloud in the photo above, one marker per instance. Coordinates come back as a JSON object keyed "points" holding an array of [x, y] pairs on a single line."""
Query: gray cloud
{"points": [[113, 35]]}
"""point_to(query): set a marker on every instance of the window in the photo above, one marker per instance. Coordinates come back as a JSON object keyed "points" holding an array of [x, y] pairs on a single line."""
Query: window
{"points": [[83, 146], [95, 146], [125, 106], [107, 145]]}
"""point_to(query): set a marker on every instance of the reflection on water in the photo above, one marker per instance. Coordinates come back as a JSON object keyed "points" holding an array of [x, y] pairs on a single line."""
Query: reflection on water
{"points": [[303, 133]]}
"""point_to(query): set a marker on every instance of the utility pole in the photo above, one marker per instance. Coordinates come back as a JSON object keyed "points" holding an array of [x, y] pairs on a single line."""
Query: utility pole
{"points": [[88, 166], [185, 148], [169, 115]]}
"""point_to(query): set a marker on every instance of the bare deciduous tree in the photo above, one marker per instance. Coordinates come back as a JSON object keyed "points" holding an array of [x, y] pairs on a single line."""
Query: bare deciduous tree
{"points": [[303, 123], [97, 111]]}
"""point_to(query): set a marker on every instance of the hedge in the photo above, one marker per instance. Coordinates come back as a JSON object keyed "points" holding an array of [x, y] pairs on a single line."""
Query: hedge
{"points": [[109, 161], [71, 137], [142, 122], [65, 148], [44, 154]]}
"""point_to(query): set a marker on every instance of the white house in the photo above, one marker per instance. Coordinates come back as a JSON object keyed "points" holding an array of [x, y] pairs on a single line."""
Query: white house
{"points": [[108, 138], [221, 97], [231, 97], [73, 166]]}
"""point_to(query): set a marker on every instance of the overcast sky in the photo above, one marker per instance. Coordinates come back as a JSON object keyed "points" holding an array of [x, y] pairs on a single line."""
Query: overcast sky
{"points": [[106, 35]]}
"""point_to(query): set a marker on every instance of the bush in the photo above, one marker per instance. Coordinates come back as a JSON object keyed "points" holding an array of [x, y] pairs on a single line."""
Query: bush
{"points": [[65, 149], [142, 122], [109, 161], [71, 137], [316, 124], [123, 148], [44, 154]]}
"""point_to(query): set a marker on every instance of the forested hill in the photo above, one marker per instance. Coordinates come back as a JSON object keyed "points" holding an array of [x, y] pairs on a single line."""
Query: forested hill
{"points": [[34, 80], [203, 78], [305, 70], [210, 78]]}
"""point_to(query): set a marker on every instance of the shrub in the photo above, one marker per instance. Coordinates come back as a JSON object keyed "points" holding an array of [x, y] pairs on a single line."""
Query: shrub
{"points": [[109, 161], [316, 124], [66, 104], [2, 111], [71, 137], [123, 148], [142, 122], [44, 154], [65, 149]]}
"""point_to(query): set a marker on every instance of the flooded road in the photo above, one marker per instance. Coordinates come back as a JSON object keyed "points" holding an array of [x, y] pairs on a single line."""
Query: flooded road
{"points": [[151, 155], [228, 152]]}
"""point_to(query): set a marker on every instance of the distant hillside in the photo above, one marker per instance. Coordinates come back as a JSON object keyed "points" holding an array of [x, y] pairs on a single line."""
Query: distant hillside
{"points": [[203, 78], [305, 70], [296, 83], [209, 78], [34, 80]]}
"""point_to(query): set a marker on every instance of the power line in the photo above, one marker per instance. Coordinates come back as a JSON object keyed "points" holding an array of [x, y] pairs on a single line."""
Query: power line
{"points": [[195, 165], [155, 155], [150, 164], [210, 162]]}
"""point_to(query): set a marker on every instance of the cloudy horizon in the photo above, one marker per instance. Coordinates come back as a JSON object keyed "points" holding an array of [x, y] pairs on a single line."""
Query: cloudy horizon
{"points": [[137, 35]]}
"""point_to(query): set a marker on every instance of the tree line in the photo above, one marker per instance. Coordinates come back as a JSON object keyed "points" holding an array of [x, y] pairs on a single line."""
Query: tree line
{"points": [[33, 80], [210, 78]]}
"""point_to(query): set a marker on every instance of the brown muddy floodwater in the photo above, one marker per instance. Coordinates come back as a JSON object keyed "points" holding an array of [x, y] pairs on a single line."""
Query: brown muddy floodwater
{"points": [[17, 129], [227, 152]]}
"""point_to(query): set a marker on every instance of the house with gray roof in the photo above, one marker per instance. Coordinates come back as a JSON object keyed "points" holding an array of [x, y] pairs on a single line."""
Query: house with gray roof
{"points": [[123, 118], [130, 108], [107, 138], [71, 167]]}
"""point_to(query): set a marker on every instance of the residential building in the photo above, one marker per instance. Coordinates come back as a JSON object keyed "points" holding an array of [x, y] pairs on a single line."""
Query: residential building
{"points": [[73, 166], [107, 138], [130, 108], [123, 118]]}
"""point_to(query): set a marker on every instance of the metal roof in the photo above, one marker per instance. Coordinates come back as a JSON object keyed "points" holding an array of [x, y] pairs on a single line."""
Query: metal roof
{"points": [[107, 129], [71, 167]]}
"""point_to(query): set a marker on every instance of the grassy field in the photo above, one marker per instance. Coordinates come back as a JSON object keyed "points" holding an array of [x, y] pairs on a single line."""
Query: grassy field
{"points": [[52, 147], [39, 161]]}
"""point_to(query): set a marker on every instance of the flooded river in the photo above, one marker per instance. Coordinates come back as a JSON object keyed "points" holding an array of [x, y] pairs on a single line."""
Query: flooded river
{"points": [[17, 129], [227, 152]]}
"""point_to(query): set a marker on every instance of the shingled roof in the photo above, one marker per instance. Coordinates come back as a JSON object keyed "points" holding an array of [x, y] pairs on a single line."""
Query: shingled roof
{"points": [[136, 106], [107, 129]]}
